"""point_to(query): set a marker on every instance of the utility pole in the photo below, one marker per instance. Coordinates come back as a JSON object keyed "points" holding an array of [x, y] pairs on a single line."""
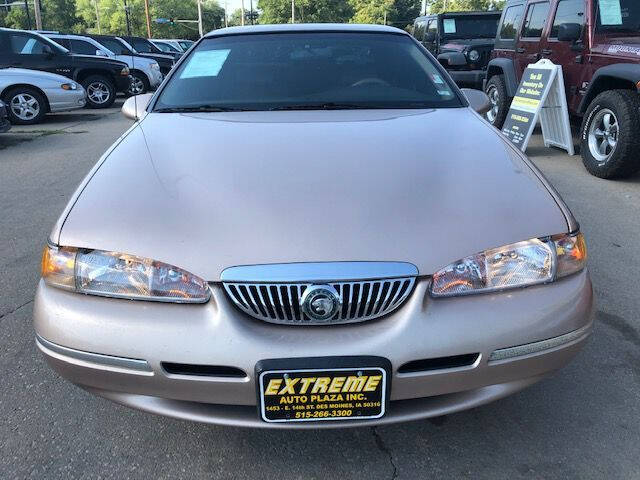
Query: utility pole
{"points": [[146, 12], [226, 22], [26, 9], [251, 6], [126, 16], [293, 11], [242, 16], [385, 17], [200, 18], [37, 14], [97, 17]]}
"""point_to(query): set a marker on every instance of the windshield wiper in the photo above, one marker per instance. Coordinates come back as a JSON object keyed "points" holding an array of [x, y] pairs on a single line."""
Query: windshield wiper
{"points": [[323, 106], [198, 108]]}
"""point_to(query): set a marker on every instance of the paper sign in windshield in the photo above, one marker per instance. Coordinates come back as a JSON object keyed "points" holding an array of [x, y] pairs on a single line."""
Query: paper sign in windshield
{"points": [[610, 12], [206, 63], [449, 25]]}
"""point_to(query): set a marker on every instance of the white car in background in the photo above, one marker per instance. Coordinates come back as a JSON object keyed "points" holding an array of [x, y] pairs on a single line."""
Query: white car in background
{"points": [[145, 72], [178, 44], [31, 94]]}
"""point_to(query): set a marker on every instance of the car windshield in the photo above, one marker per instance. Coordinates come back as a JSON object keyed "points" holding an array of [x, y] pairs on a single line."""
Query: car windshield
{"points": [[316, 70], [143, 46], [475, 26], [185, 44], [165, 47], [618, 16]]}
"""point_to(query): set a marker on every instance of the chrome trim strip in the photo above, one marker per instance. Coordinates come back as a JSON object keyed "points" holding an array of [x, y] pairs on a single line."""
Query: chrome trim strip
{"points": [[122, 363], [323, 272], [536, 347]]}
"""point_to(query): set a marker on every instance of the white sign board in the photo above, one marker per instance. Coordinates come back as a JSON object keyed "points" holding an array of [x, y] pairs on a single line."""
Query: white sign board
{"points": [[540, 97]]}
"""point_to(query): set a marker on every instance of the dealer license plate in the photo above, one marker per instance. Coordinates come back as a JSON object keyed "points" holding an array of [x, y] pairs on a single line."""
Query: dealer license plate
{"points": [[305, 395]]}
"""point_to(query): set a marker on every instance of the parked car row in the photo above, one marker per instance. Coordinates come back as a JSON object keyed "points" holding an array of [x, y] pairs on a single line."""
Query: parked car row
{"points": [[596, 42], [44, 72]]}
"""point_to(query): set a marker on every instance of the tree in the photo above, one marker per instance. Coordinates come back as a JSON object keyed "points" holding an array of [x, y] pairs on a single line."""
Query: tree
{"points": [[372, 11], [236, 17], [59, 15], [17, 18], [113, 19], [439, 6], [307, 11]]}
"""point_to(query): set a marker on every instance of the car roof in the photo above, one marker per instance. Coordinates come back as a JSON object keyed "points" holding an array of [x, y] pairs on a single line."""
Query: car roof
{"points": [[304, 27]]}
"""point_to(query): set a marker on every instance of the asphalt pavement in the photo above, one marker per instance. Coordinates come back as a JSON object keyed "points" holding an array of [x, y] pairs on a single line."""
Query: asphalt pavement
{"points": [[584, 422]]}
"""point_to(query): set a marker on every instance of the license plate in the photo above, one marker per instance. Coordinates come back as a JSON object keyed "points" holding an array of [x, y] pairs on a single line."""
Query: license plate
{"points": [[316, 394]]}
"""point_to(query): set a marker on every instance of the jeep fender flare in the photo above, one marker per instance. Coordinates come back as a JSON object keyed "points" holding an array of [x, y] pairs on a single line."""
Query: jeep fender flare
{"points": [[452, 59], [611, 77], [504, 66]]}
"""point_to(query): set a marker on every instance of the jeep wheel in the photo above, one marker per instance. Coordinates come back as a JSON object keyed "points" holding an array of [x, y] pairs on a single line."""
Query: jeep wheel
{"points": [[496, 90], [100, 91], [609, 140], [25, 106]]}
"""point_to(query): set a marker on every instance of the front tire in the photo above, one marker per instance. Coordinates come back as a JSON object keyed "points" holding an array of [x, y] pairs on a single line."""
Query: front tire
{"points": [[496, 90], [100, 91], [25, 106], [139, 84], [609, 136]]}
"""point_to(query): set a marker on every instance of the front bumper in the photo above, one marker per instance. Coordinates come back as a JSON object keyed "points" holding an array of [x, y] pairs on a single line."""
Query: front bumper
{"points": [[64, 100], [70, 325], [468, 77], [122, 83]]}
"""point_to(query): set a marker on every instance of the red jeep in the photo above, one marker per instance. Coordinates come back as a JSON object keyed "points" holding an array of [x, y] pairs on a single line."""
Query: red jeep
{"points": [[597, 42]]}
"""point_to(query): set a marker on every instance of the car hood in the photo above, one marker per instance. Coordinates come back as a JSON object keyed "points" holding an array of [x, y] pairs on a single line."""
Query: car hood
{"points": [[98, 61], [458, 45], [33, 75], [423, 186], [622, 47]]}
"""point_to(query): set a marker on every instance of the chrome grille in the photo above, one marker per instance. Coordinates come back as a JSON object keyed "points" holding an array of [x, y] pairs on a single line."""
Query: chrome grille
{"points": [[280, 302]]}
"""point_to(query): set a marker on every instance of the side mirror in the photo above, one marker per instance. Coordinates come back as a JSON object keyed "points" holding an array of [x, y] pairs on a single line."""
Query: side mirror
{"points": [[135, 107], [569, 32], [100, 53], [430, 37], [478, 100]]}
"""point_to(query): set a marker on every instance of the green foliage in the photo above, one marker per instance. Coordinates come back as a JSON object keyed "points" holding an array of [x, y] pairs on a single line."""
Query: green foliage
{"points": [[307, 11], [439, 6], [59, 15], [113, 19], [235, 19], [17, 18]]}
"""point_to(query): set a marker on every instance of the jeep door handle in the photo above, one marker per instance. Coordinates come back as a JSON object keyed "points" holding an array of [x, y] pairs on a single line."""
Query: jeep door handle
{"points": [[546, 51], [520, 50]]}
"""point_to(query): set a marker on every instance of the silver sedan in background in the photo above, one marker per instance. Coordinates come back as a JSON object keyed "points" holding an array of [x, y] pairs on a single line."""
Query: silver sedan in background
{"points": [[31, 94]]}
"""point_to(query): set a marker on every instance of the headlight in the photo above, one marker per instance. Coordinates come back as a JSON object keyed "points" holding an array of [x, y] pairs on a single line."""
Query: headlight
{"points": [[155, 66], [473, 55], [124, 72], [517, 265], [69, 86], [119, 275]]}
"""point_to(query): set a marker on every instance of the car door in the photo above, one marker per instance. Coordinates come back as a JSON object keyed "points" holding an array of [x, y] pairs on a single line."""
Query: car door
{"points": [[531, 43], [569, 55], [28, 51]]}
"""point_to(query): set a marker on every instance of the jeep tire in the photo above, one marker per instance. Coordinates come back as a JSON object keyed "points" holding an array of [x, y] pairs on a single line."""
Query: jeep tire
{"points": [[496, 90], [610, 134], [100, 91]]}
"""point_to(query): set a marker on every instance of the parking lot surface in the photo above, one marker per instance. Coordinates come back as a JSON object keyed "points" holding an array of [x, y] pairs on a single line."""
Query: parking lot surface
{"points": [[584, 422]]}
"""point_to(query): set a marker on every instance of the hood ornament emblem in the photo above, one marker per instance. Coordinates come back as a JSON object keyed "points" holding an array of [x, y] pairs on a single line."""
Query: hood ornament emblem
{"points": [[320, 302]]}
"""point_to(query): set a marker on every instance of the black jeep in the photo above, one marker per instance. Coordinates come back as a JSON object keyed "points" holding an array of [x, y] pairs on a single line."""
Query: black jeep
{"points": [[462, 42]]}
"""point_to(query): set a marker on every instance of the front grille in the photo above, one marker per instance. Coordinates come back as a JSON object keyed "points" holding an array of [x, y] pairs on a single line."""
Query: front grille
{"points": [[280, 302]]}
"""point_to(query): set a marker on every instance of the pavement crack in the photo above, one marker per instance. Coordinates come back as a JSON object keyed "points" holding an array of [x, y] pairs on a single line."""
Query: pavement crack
{"points": [[384, 449], [2, 315]]}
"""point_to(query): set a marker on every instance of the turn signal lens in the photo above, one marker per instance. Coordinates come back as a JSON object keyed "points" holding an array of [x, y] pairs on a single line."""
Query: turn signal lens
{"points": [[69, 86], [58, 266], [572, 254], [119, 275]]}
